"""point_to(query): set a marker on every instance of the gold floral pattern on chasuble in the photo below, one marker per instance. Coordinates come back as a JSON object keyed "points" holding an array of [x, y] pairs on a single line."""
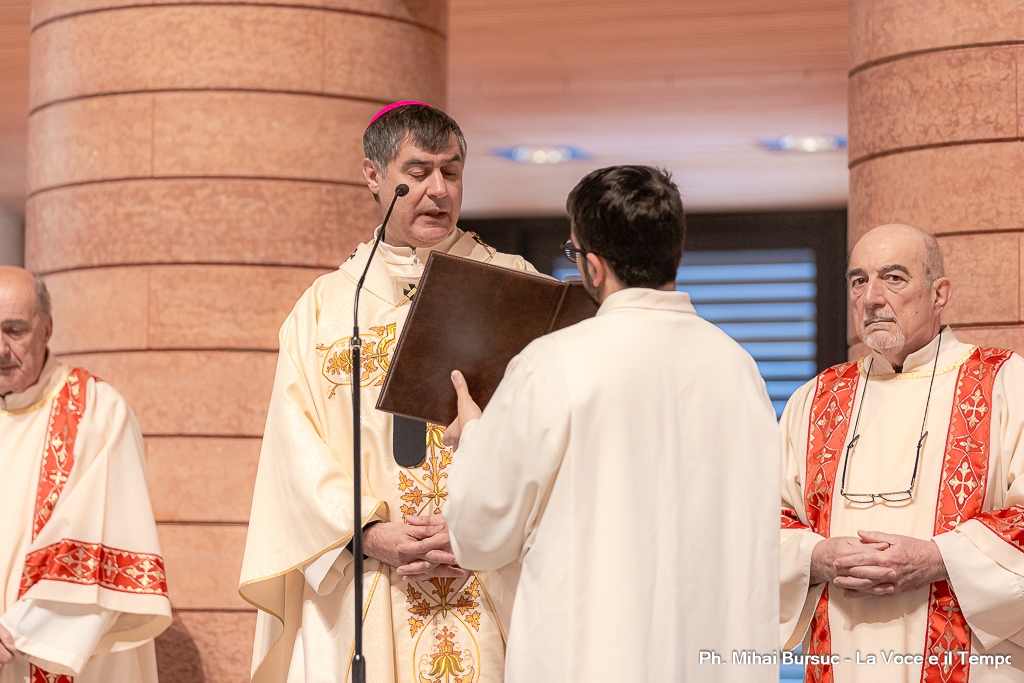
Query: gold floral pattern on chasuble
{"points": [[443, 612], [422, 488], [374, 359]]}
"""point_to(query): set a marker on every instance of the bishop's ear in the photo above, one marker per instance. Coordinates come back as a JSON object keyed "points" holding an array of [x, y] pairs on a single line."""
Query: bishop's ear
{"points": [[373, 176]]}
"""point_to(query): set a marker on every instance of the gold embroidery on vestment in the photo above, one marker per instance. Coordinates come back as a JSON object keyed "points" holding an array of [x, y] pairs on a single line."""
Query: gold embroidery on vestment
{"points": [[913, 375], [445, 608], [419, 492], [374, 358]]}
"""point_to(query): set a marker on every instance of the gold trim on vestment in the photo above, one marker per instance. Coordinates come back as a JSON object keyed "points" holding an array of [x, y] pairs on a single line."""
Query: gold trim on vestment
{"points": [[917, 374], [41, 402], [490, 603], [328, 549], [280, 618]]}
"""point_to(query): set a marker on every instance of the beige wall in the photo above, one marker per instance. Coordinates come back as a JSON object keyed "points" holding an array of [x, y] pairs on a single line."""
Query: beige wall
{"points": [[936, 120], [192, 169]]}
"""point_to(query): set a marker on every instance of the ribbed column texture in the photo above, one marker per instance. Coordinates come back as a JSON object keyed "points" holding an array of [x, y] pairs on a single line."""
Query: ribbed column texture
{"points": [[193, 167], [936, 113]]}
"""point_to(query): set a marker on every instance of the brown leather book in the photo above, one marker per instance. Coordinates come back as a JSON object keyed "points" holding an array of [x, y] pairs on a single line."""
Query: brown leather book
{"points": [[474, 317]]}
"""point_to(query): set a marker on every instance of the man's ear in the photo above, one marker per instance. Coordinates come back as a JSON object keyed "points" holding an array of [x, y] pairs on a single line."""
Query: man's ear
{"points": [[598, 269], [373, 176], [48, 328], [942, 289]]}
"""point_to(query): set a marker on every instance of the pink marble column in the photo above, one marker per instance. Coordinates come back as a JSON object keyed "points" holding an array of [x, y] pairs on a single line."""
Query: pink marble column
{"points": [[936, 114], [192, 169]]}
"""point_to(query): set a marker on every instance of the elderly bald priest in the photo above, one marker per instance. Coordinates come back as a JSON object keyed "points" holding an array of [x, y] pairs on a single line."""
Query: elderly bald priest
{"points": [[82, 581], [297, 569], [902, 493]]}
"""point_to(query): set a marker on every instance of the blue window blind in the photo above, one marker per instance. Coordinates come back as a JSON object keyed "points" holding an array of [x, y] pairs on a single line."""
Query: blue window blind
{"points": [[764, 299]]}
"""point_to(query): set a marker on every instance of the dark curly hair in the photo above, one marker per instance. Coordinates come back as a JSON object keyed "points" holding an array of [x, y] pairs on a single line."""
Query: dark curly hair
{"points": [[633, 217]]}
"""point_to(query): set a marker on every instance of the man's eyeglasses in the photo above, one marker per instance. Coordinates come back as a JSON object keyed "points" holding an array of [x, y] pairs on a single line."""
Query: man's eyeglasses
{"points": [[572, 252], [892, 496]]}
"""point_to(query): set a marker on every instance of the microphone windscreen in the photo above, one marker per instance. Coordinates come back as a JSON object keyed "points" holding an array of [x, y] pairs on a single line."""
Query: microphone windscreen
{"points": [[409, 442], [401, 190]]}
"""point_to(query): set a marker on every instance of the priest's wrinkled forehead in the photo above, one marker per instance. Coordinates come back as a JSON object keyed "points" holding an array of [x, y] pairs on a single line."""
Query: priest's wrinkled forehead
{"points": [[899, 246], [19, 295]]}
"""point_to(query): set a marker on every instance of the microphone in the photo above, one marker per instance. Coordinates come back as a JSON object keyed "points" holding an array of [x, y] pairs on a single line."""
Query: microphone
{"points": [[400, 191], [358, 661]]}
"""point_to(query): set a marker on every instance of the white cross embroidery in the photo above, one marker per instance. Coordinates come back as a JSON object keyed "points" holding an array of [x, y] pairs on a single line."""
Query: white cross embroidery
{"points": [[974, 412]]}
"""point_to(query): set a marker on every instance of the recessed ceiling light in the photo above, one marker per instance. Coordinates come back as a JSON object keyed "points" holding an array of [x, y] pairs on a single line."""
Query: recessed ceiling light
{"points": [[527, 154], [805, 143]]}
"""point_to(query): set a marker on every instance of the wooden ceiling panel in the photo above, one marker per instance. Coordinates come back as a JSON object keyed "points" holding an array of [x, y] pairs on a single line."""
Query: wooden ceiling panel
{"points": [[700, 80], [688, 84], [14, 34], [574, 38]]}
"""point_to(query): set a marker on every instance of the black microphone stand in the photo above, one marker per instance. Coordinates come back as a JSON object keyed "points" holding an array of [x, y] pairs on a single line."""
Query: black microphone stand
{"points": [[358, 661]]}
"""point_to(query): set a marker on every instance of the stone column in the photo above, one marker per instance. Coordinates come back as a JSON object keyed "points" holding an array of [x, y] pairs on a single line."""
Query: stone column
{"points": [[192, 169], [936, 120], [12, 238]]}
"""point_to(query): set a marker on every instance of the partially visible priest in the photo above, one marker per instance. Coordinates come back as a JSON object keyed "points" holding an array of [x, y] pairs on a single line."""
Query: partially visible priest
{"points": [[82, 582], [902, 494], [297, 567]]}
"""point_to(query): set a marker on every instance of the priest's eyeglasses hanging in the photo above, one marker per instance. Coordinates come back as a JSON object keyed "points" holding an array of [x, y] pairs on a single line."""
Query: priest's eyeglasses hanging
{"points": [[893, 496]]}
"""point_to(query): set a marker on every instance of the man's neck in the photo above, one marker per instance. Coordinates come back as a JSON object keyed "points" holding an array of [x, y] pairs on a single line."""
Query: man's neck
{"points": [[611, 286], [393, 242], [898, 357], [31, 384], [399, 242]]}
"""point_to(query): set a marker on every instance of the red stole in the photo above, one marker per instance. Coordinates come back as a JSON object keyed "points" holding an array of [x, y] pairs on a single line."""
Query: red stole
{"points": [[69, 560], [960, 497]]}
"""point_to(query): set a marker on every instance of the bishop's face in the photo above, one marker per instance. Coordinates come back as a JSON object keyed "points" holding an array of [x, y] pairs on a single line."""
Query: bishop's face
{"points": [[24, 332], [429, 213]]}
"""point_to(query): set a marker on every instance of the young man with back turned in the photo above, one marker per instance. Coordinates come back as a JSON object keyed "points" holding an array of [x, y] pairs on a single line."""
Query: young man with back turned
{"points": [[628, 461]]}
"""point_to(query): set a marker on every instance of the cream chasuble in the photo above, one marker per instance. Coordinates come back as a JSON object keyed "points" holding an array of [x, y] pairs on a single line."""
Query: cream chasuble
{"points": [[629, 462], [297, 570], [82, 581], [969, 498]]}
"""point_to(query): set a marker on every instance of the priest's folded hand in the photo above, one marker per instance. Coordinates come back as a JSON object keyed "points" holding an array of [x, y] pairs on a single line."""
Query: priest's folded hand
{"points": [[826, 555], [7, 648], [386, 541], [468, 411], [434, 550], [905, 565]]}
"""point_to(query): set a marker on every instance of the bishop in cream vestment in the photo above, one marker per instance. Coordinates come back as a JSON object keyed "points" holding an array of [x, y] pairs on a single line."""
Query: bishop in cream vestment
{"points": [[969, 499], [297, 569], [82, 582]]}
